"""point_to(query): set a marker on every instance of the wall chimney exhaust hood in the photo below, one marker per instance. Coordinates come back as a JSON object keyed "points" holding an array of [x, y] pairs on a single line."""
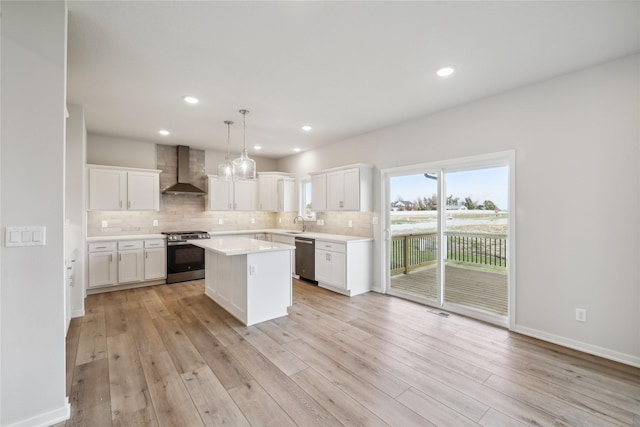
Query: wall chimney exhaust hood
{"points": [[183, 186]]}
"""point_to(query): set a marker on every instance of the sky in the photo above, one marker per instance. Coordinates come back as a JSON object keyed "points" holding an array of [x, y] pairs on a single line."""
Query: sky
{"points": [[480, 185]]}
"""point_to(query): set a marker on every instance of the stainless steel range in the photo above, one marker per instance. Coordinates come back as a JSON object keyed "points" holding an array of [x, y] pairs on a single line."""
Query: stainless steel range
{"points": [[184, 260]]}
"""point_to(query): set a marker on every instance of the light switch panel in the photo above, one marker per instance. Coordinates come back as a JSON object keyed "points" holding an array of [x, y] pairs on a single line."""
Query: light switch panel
{"points": [[25, 236]]}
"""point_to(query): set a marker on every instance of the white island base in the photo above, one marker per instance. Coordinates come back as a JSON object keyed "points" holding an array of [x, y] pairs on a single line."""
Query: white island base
{"points": [[253, 284]]}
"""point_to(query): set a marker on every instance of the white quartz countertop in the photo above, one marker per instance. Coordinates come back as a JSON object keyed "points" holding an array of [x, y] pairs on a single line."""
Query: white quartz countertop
{"points": [[128, 237], [337, 238], [239, 245]]}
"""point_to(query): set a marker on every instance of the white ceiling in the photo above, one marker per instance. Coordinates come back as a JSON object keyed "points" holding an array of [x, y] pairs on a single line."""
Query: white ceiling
{"points": [[345, 68]]}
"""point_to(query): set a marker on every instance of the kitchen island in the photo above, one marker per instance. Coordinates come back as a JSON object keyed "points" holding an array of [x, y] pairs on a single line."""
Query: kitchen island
{"points": [[249, 278]]}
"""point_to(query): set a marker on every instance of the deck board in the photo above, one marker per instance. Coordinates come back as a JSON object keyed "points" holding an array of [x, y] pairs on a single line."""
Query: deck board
{"points": [[483, 290]]}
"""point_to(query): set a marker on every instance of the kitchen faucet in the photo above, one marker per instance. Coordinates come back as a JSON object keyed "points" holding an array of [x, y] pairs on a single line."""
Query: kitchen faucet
{"points": [[295, 221]]}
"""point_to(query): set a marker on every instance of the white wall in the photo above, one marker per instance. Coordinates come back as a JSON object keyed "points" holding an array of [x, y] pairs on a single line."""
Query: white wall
{"points": [[577, 195], [213, 158], [32, 377], [75, 191], [114, 151]]}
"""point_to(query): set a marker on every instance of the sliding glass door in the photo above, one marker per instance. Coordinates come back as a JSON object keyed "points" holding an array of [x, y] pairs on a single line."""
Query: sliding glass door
{"points": [[415, 241], [448, 229], [475, 229]]}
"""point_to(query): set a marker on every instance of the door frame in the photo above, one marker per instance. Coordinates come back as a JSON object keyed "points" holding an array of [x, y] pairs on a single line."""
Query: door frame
{"points": [[497, 159]]}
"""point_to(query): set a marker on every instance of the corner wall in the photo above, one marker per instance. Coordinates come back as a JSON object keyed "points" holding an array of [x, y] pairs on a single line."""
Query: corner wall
{"points": [[32, 377], [75, 191], [576, 139]]}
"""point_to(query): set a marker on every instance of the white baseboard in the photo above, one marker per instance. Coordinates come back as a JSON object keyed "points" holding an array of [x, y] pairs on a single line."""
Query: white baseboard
{"points": [[77, 313], [627, 359], [48, 418]]}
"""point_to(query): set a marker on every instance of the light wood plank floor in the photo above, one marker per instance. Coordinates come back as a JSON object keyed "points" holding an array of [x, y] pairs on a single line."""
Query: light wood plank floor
{"points": [[485, 290], [169, 356]]}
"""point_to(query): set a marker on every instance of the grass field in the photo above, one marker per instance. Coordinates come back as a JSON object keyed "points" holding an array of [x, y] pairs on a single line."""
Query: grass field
{"points": [[475, 221]]}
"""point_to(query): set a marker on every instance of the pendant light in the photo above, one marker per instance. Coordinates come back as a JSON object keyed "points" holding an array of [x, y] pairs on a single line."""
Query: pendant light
{"points": [[243, 166], [225, 170]]}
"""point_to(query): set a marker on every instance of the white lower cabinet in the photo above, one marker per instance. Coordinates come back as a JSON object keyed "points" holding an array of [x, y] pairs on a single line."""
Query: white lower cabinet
{"points": [[344, 267], [330, 264], [126, 262], [155, 259], [130, 262], [102, 264]]}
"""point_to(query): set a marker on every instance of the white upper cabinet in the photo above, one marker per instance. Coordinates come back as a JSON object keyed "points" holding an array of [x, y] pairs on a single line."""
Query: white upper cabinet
{"points": [[343, 189], [286, 195], [244, 195], [143, 190], [116, 189], [319, 192], [276, 192], [107, 189], [232, 195]]}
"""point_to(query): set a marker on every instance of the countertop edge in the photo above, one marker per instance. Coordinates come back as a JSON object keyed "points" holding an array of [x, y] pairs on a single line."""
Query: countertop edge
{"points": [[338, 238], [274, 247], [126, 237]]}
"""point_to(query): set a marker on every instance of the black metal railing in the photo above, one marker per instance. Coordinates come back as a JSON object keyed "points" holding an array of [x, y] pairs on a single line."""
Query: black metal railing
{"points": [[409, 252]]}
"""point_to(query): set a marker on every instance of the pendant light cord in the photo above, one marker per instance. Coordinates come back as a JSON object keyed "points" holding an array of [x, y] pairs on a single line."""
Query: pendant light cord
{"points": [[228, 123], [244, 128]]}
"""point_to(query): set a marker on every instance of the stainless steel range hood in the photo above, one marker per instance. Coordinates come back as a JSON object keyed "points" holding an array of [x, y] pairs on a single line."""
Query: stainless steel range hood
{"points": [[183, 186]]}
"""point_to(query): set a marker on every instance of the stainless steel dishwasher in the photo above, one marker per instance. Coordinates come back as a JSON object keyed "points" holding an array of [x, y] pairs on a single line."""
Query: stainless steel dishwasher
{"points": [[306, 258]]}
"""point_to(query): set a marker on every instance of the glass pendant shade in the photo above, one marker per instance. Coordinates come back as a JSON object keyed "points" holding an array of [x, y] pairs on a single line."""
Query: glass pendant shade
{"points": [[225, 170], [243, 166]]}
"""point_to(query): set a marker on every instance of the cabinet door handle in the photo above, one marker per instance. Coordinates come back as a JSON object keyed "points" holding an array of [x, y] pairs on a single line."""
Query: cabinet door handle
{"points": [[119, 257], [111, 258], [100, 247], [146, 254], [120, 203], [129, 204], [341, 204]]}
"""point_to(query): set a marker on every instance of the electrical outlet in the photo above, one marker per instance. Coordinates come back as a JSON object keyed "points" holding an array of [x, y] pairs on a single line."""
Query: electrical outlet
{"points": [[220, 221], [252, 270], [155, 222], [350, 224], [374, 220], [581, 314], [279, 220], [253, 220], [320, 222], [105, 224]]}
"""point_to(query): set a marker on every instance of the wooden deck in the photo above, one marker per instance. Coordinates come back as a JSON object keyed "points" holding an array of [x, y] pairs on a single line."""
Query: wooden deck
{"points": [[472, 288]]}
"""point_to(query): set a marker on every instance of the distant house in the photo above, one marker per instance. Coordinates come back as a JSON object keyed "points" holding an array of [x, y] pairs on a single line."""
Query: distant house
{"points": [[456, 208], [402, 205]]}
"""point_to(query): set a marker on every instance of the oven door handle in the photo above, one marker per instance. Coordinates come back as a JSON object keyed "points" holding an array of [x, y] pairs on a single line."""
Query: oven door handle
{"points": [[178, 242]]}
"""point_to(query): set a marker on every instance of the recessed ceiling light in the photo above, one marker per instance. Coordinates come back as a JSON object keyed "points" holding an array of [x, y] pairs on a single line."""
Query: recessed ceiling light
{"points": [[445, 71], [297, 150], [257, 147], [306, 128], [163, 132], [190, 99]]}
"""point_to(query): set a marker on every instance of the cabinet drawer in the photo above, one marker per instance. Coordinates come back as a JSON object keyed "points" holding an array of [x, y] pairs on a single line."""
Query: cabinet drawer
{"points": [[129, 244], [154, 243], [102, 247], [330, 246]]}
